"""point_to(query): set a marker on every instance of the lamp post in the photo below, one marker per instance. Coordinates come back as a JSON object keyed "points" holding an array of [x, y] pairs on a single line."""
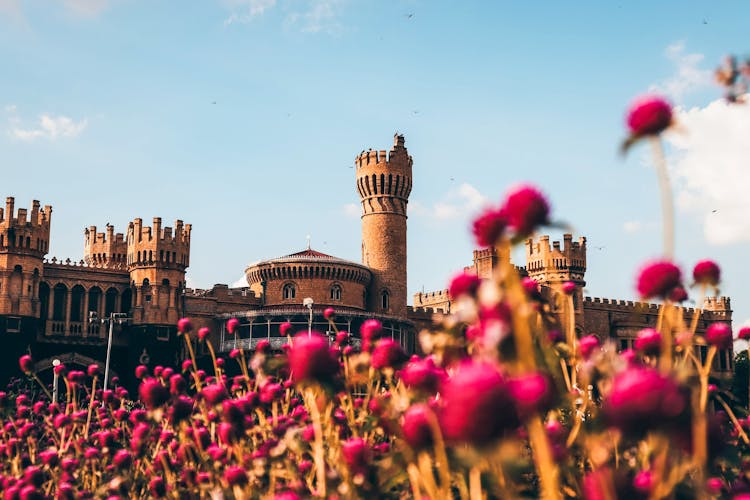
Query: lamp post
{"points": [[308, 303], [114, 317], [55, 364]]}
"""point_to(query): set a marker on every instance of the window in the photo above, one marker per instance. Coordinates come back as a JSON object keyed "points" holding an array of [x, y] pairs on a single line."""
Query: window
{"points": [[289, 291], [385, 300], [162, 334], [14, 325], [336, 292]]}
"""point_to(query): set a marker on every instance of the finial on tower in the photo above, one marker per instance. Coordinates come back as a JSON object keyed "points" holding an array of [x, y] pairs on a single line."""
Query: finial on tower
{"points": [[308, 241]]}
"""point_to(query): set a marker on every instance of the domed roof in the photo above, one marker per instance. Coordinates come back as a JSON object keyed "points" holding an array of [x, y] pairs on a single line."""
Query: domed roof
{"points": [[309, 255]]}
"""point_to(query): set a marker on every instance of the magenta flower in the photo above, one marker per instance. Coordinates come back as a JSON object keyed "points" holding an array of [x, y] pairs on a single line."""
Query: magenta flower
{"points": [[204, 332], [184, 325], [464, 284], [214, 394], [719, 335], [26, 363], [157, 487], [415, 426], [235, 476], [587, 345], [232, 325], [422, 375], [568, 288], [93, 370], [123, 459], [477, 406], [649, 115], [285, 328], [153, 393], [707, 272], [532, 393], [141, 371], [356, 455], [310, 359], [387, 354], [329, 313], [489, 226], [370, 331], [526, 209], [648, 342], [658, 279], [744, 333]]}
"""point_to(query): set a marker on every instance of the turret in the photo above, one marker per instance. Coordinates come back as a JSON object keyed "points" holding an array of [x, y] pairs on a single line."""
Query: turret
{"points": [[107, 250], [551, 266], [384, 183], [24, 240], [156, 260]]}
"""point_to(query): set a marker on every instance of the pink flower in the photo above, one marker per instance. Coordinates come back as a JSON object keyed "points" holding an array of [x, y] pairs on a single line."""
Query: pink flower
{"points": [[232, 325], [744, 333], [489, 226], [153, 393], [184, 325], [123, 459], [235, 476], [568, 288], [370, 331], [329, 313], [706, 272], [141, 371], [26, 363], [387, 354], [214, 394], [648, 341], [719, 335], [263, 346], [642, 398], [678, 295], [477, 406], [532, 392], [422, 375], [310, 359], [526, 208], [204, 332], [464, 284], [92, 370], [356, 454], [643, 481], [587, 345], [658, 279], [285, 329], [415, 426], [157, 487], [649, 115]]}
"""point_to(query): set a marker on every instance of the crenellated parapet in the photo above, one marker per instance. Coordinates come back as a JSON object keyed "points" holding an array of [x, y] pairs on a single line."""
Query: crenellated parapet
{"points": [[550, 263], [158, 247], [384, 179], [23, 232], [104, 249]]}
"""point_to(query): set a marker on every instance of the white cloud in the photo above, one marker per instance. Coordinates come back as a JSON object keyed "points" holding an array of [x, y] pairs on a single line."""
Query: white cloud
{"points": [[11, 108], [240, 283], [49, 127], [352, 210], [632, 226], [321, 16], [457, 203], [688, 77], [709, 164], [244, 11]]}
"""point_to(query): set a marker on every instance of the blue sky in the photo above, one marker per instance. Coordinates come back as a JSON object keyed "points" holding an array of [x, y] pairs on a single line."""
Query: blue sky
{"points": [[243, 117]]}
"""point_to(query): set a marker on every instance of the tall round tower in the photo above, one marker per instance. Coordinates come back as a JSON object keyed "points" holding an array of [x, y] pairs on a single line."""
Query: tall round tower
{"points": [[384, 184]]}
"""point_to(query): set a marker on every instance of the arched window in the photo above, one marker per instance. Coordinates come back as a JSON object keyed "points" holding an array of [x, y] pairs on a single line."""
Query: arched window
{"points": [[289, 291], [385, 300], [336, 292]]}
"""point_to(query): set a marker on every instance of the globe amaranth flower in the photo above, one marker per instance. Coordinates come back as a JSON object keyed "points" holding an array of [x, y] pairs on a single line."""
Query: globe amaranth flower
{"points": [[648, 342], [464, 284], [707, 273], [329, 313], [657, 279], [311, 360], [388, 354], [235, 476], [204, 332], [232, 325], [477, 406], [153, 393], [489, 226], [184, 325], [719, 335], [587, 345], [285, 329], [526, 208], [568, 288], [26, 363], [744, 333], [423, 375], [415, 426], [356, 454], [642, 398], [532, 393], [649, 115]]}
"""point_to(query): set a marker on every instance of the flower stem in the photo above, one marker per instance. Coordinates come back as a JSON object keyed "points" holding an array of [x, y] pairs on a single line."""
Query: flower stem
{"points": [[667, 203]]}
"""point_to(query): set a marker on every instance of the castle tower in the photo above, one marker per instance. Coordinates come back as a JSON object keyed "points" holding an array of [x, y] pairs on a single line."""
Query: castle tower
{"points": [[156, 260], [107, 250], [384, 183], [551, 266], [24, 240]]}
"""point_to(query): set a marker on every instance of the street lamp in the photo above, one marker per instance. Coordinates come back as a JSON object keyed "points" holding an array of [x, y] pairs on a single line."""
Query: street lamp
{"points": [[114, 317], [308, 303], [55, 364]]}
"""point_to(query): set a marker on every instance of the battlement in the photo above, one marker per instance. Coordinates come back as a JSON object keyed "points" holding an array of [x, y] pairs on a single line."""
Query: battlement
{"points": [[422, 299], [397, 155], [158, 245], [104, 249], [25, 232], [541, 256], [717, 304]]}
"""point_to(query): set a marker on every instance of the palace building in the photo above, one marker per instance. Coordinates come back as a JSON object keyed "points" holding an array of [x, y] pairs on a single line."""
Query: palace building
{"points": [[54, 309]]}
